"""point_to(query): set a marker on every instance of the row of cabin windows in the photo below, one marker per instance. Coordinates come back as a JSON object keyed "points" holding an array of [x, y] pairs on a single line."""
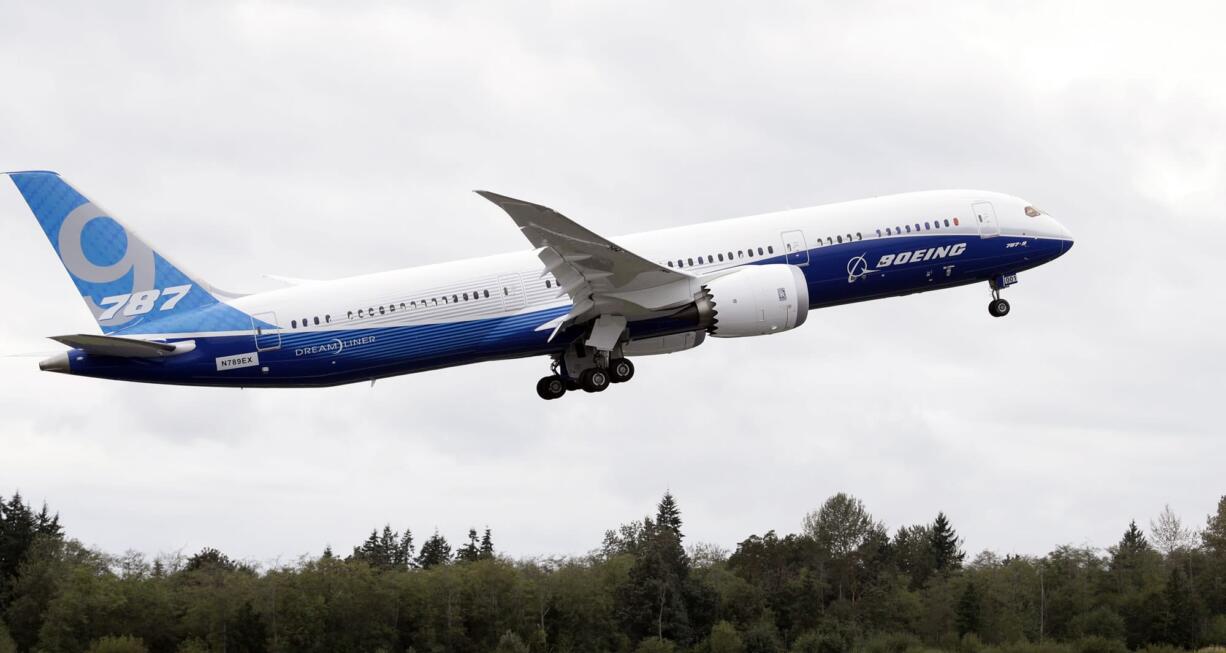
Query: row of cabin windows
{"points": [[711, 258], [678, 263], [831, 240], [415, 304], [306, 322], [927, 226]]}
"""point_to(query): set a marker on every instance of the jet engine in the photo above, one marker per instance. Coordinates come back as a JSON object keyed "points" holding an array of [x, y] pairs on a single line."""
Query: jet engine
{"points": [[755, 300]]}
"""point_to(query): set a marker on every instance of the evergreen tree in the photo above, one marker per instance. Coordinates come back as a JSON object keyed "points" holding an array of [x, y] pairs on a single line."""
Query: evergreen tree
{"points": [[668, 515], [1184, 611], [436, 551], [19, 526], [246, 632], [947, 554], [1214, 535], [970, 610], [471, 551], [487, 545], [387, 550], [1133, 541], [652, 601]]}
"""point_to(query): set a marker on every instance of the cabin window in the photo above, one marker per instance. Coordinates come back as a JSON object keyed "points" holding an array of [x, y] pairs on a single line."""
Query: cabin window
{"points": [[670, 264], [402, 306], [455, 299], [328, 319], [293, 324], [316, 319], [928, 226], [888, 232], [740, 253], [956, 222], [391, 308], [770, 249], [878, 233], [689, 262], [858, 236], [465, 296], [946, 222], [548, 284], [917, 226], [485, 293], [350, 316], [505, 292], [700, 260], [710, 258], [840, 239], [760, 253], [908, 228], [721, 258]]}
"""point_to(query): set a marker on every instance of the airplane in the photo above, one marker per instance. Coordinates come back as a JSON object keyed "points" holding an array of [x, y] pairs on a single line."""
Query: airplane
{"points": [[588, 302]]}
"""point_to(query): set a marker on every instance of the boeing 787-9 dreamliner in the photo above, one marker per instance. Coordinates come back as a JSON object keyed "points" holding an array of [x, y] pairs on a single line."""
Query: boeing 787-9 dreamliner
{"points": [[587, 302]]}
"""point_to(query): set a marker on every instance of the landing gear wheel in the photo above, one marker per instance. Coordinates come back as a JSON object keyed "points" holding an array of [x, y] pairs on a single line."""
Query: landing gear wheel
{"points": [[998, 307], [594, 379], [551, 387], [621, 370]]}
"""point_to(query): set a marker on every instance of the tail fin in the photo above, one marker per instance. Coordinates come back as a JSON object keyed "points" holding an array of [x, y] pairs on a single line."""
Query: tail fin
{"points": [[127, 285]]}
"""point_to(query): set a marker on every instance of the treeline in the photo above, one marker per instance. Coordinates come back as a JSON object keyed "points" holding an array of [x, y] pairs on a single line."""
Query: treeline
{"points": [[842, 584]]}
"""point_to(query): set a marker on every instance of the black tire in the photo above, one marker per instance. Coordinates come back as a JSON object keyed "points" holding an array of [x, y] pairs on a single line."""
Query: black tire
{"points": [[621, 370], [594, 379], [550, 387], [998, 307]]}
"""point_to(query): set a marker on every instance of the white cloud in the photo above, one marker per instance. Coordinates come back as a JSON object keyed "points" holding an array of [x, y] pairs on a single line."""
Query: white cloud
{"points": [[320, 141]]}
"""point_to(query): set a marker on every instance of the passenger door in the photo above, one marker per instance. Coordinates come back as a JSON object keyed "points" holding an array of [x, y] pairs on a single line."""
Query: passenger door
{"points": [[795, 248], [266, 338], [512, 292], [985, 217]]}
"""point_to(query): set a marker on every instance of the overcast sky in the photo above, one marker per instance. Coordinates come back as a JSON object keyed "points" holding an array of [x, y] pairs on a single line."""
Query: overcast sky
{"points": [[331, 139]]}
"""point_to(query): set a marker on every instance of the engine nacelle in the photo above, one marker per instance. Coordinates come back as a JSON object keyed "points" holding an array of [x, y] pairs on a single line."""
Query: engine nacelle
{"points": [[756, 300], [664, 344]]}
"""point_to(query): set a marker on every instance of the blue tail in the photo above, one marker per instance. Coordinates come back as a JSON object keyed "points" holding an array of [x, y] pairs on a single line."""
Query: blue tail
{"points": [[128, 286]]}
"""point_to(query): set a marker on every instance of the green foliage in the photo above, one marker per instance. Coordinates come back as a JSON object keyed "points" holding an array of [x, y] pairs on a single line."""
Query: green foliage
{"points": [[841, 586], [510, 643], [655, 645], [120, 644], [1095, 644], [1215, 631], [436, 551], [820, 642], [193, 645], [384, 551], [762, 637], [7, 645], [724, 639], [947, 552]]}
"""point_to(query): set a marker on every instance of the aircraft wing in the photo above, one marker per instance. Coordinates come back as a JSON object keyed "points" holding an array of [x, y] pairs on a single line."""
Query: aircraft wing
{"points": [[600, 276]]}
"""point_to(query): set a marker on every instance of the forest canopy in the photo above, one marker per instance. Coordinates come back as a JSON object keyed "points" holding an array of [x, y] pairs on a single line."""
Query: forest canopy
{"points": [[845, 582]]}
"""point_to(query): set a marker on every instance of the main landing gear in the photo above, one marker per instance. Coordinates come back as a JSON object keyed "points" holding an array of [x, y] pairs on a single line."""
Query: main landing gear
{"points": [[584, 368]]}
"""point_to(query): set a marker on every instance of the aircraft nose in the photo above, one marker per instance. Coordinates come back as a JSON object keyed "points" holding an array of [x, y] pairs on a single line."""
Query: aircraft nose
{"points": [[1066, 237]]}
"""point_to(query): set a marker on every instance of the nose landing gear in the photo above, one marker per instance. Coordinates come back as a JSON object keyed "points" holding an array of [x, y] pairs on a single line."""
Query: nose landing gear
{"points": [[1000, 307]]}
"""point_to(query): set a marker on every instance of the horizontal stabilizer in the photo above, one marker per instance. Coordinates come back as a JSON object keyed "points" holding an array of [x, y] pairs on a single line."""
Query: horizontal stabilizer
{"points": [[123, 347]]}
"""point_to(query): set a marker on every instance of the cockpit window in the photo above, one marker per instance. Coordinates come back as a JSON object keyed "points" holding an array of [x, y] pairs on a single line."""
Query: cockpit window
{"points": [[1033, 212]]}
